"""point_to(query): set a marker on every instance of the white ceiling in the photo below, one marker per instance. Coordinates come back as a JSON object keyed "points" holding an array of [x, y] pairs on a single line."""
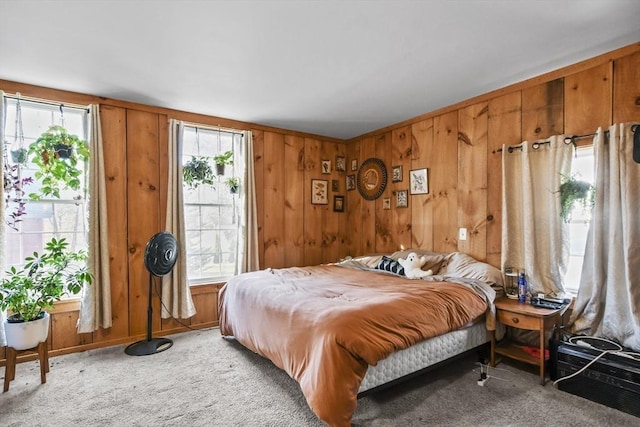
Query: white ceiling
{"points": [[333, 68]]}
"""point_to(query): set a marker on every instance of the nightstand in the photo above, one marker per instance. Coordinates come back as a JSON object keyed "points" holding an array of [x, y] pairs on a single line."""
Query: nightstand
{"points": [[512, 313]]}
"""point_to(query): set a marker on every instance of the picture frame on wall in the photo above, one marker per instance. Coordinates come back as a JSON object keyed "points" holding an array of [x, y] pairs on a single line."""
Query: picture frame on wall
{"points": [[319, 192], [334, 185], [419, 181], [396, 174], [326, 166], [402, 199], [386, 203], [338, 203], [351, 182], [354, 165], [341, 163]]}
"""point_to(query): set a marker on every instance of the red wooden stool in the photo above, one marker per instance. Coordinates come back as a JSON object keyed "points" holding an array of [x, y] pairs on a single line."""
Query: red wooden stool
{"points": [[12, 354]]}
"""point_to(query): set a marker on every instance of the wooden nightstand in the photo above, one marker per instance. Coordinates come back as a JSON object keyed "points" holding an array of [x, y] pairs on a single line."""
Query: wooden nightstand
{"points": [[519, 315]]}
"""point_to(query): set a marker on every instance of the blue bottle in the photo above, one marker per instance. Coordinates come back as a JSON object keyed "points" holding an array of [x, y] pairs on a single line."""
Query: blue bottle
{"points": [[522, 288]]}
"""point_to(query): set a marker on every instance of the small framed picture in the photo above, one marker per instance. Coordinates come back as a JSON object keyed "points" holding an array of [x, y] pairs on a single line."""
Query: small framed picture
{"points": [[386, 203], [338, 203], [419, 181], [341, 163], [326, 166], [334, 185], [351, 182], [402, 199], [396, 174], [319, 192], [354, 165]]}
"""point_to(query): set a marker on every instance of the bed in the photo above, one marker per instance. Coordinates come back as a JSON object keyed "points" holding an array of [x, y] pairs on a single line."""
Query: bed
{"points": [[345, 328]]}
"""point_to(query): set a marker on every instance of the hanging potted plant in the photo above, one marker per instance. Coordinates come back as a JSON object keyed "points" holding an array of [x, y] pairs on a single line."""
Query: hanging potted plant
{"points": [[572, 191], [221, 160], [18, 149], [58, 153], [29, 291], [14, 192], [197, 171], [233, 183]]}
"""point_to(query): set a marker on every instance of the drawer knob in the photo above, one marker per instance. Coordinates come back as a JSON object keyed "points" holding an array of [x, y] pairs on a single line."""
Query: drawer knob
{"points": [[515, 320]]}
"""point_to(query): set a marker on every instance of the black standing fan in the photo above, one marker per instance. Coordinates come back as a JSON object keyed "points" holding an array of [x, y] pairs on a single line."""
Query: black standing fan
{"points": [[159, 258]]}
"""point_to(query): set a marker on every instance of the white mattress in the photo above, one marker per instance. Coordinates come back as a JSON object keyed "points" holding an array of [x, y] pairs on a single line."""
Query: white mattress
{"points": [[424, 354]]}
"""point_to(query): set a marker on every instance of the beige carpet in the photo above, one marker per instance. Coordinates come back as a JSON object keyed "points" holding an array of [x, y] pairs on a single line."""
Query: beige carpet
{"points": [[204, 380]]}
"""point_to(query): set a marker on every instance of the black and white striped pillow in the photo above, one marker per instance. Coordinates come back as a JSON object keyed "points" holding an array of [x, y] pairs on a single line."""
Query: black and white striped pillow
{"points": [[388, 264]]}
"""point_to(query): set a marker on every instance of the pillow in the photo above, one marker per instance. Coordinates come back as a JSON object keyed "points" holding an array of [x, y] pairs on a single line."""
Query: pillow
{"points": [[462, 265], [390, 265]]}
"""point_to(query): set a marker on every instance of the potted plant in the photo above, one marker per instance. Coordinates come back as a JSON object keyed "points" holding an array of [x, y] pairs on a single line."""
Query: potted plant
{"points": [[222, 159], [19, 155], [57, 154], [29, 291], [571, 191], [233, 183], [197, 171]]}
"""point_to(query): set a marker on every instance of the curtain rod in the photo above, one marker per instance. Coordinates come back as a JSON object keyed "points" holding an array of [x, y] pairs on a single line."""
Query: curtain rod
{"points": [[214, 128], [570, 139], [61, 105]]}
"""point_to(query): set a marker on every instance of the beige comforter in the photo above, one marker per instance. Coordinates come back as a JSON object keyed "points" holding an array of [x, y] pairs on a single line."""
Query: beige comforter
{"points": [[325, 324]]}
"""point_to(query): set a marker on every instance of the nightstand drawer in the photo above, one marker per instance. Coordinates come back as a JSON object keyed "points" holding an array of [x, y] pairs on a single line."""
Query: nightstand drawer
{"points": [[518, 320]]}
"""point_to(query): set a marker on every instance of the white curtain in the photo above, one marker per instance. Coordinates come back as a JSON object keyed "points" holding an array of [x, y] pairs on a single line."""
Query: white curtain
{"points": [[3, 118], [176, 294], [608, 301], [248, 257], [95, 309], [534, 237]]}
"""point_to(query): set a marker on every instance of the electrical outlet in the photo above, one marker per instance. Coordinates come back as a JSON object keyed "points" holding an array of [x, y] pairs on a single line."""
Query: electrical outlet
{"points": [[462, 234]]}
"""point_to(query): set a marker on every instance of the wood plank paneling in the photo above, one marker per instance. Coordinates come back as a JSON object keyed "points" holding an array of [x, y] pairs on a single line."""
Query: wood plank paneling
{"points": [[273, 176], [542, 110], [588, 100], [294, 200], [383, 239], [114, 137], [206, 307], [314, 214], [368, 207], [472, 178], [353, 232], [443, 183], [626, 94], [258, 168], [143, 213], [505, 113], [331, 219], [401, 217], [61, 324], [421, 205]]}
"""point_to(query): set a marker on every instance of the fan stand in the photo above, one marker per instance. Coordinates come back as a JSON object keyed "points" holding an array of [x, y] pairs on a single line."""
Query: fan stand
{"points": [[159, 258], [150, 345]]}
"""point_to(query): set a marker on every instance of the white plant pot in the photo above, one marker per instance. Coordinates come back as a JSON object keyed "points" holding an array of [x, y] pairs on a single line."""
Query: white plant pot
{"points": [[24, 335]]}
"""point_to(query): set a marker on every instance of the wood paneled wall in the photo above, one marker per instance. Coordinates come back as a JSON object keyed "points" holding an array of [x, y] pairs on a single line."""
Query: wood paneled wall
{"points": [[457, 144], [292, 232], [459, 147]]}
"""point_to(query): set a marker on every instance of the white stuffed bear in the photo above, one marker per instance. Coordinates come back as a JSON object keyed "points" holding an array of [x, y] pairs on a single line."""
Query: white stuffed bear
{"points": [[413, 266]]}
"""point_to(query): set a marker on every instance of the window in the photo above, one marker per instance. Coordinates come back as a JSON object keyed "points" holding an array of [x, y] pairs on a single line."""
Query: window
{"points": [[212, 211], [582, 168], [48, 217]]}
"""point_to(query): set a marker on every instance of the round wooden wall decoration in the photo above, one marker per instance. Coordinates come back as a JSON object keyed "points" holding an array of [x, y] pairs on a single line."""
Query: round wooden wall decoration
{"points": [[372, 178]]}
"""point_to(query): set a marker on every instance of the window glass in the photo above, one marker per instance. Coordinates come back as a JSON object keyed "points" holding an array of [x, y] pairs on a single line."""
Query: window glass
{"points": [[211, 211], [48, 217], [582, 168]]}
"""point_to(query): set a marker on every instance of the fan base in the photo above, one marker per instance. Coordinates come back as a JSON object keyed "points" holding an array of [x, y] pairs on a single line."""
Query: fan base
{"points": [[146, 347]]}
